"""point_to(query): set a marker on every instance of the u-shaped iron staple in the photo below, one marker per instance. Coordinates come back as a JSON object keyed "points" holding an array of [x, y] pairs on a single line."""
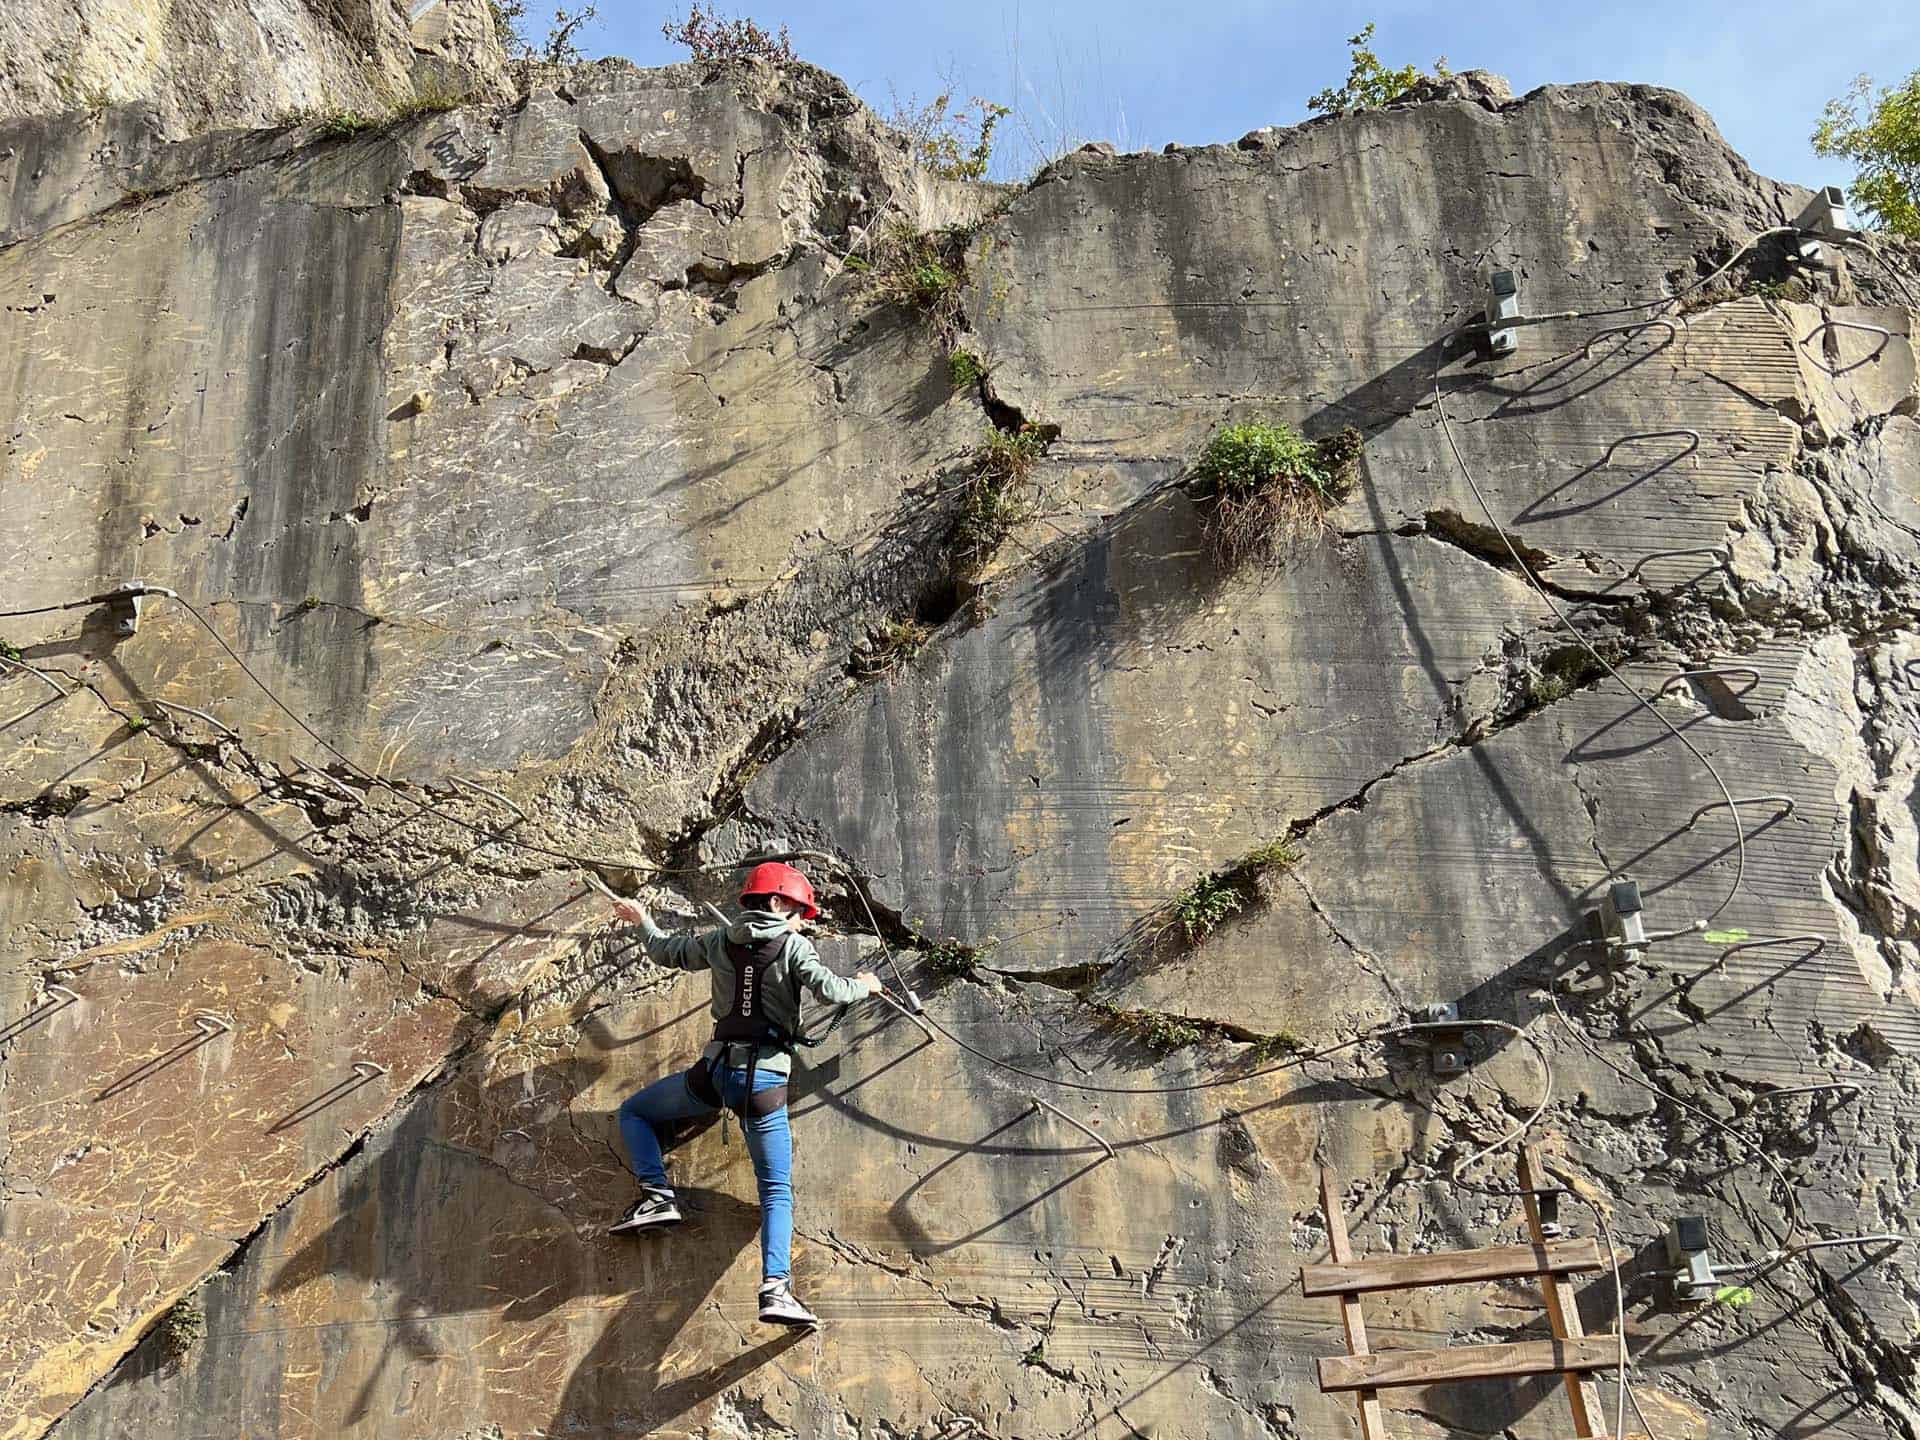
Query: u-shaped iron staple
{"points": [[1826, 325], [1712, 805], [1080, 1125], [367, 1069], [1673, 332], [1721, 553], [208, 1023], [1846, 1085], [1719, 672]]}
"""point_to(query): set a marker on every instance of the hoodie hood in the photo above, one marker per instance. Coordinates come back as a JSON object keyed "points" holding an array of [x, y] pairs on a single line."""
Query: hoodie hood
{"points": [[756, 927]]}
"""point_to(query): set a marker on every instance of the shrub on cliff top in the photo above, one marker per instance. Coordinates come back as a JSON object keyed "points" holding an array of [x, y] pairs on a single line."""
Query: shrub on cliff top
{"points": [[712, 36], [1369, 83], [1268, 484]]}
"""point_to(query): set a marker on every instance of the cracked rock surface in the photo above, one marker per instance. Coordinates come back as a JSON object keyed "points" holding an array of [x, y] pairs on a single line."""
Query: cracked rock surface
{"points": [[550, 461]]}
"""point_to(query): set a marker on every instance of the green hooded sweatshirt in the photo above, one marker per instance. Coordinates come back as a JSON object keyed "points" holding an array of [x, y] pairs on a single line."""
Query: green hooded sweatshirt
{"points": [[797, 965]]}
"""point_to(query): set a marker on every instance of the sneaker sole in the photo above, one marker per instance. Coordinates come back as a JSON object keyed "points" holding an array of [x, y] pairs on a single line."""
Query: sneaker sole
{"points": [[792, 1322], [653, 1222]]}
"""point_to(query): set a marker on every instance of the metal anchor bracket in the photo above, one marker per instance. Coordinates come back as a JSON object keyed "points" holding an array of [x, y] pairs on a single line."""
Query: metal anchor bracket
{"points": [[1439, 1024], [1693, 1277], [1616, 924]]}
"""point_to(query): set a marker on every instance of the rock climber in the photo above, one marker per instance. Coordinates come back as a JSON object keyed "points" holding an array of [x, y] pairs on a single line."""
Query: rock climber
{"points": [[759, 964]]}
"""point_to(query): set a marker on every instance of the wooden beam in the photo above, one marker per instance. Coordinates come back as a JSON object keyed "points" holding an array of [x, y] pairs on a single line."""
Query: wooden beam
{"points": [[1450, 1267], [1563, 1314], [1467, 1362], [1373, 1423]]}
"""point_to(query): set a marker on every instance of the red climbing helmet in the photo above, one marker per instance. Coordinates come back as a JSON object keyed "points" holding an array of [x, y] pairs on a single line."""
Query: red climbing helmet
{"points": [[774, 878]]}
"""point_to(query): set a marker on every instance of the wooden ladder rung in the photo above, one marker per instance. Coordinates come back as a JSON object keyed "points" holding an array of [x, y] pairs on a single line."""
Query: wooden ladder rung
{"points": [[1468, 1362], [1450, 1267]]}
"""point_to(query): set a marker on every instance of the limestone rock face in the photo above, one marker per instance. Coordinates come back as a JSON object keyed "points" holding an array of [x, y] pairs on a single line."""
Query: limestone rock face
{"points": [[550, 499], [204, 65]]}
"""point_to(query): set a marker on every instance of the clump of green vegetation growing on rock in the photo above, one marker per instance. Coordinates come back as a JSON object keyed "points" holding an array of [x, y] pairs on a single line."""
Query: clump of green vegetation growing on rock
{"points": [[954, 142], [180, 1330], [1371, 84], [923, 270], [1267, 486], [1157, 1031], [1274, 855], [998, 496], [1276, 1046], [949, 955], [341, 122], [1200, 908], [965, 369]]}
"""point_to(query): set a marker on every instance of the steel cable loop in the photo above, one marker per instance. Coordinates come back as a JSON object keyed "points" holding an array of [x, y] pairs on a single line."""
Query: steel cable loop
{"points": [[1733, 807]]}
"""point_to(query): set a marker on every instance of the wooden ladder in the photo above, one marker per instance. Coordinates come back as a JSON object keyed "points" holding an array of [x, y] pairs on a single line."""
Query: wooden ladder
{"points": [[1364, 1372]]}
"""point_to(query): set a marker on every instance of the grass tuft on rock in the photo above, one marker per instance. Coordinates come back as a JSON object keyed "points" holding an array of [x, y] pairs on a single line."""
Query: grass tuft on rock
{"points": [[1267, 486], [949, 956], [997, 497], [892, 644], [923, 270], [1153, 1029], [1200, 908]]}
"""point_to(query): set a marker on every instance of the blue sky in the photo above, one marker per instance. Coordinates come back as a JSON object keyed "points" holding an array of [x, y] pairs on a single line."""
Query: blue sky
{"points": [[1144, 72]]}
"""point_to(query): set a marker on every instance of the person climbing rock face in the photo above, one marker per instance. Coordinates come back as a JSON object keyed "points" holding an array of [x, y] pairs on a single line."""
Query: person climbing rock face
{"points": [[759, 965]]}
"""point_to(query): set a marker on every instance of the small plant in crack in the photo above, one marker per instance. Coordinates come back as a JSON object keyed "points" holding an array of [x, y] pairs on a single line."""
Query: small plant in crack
{"points": [[1278, 854], [923, 270], [1036, 1353], [892, 644], [1200, 908], [1156, 1031], [1277, 1046], [998, 496], [949, 956], [180, 1331], [1560, 674], [9, 652], [965, 369], [1268, 486]]}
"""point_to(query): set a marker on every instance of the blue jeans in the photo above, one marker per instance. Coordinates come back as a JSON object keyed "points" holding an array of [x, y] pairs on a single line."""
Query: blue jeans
{"points": [[769, 1143]]}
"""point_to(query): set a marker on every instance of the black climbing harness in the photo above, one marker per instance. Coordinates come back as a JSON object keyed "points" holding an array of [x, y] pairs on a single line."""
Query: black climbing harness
{"points": [[745, 1025]]}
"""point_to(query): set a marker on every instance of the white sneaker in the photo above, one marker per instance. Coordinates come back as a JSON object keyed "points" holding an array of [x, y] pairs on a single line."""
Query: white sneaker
{"points": [[778, 1307], [654, 1207]]}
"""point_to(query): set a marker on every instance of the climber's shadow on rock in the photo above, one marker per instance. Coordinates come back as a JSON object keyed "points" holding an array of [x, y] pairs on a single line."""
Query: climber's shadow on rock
{"points": [[513, 1171]]}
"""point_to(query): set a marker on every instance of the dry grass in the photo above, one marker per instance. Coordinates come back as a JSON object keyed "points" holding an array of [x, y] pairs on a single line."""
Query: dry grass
{"points": [[893, 643], [923, 270]]}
